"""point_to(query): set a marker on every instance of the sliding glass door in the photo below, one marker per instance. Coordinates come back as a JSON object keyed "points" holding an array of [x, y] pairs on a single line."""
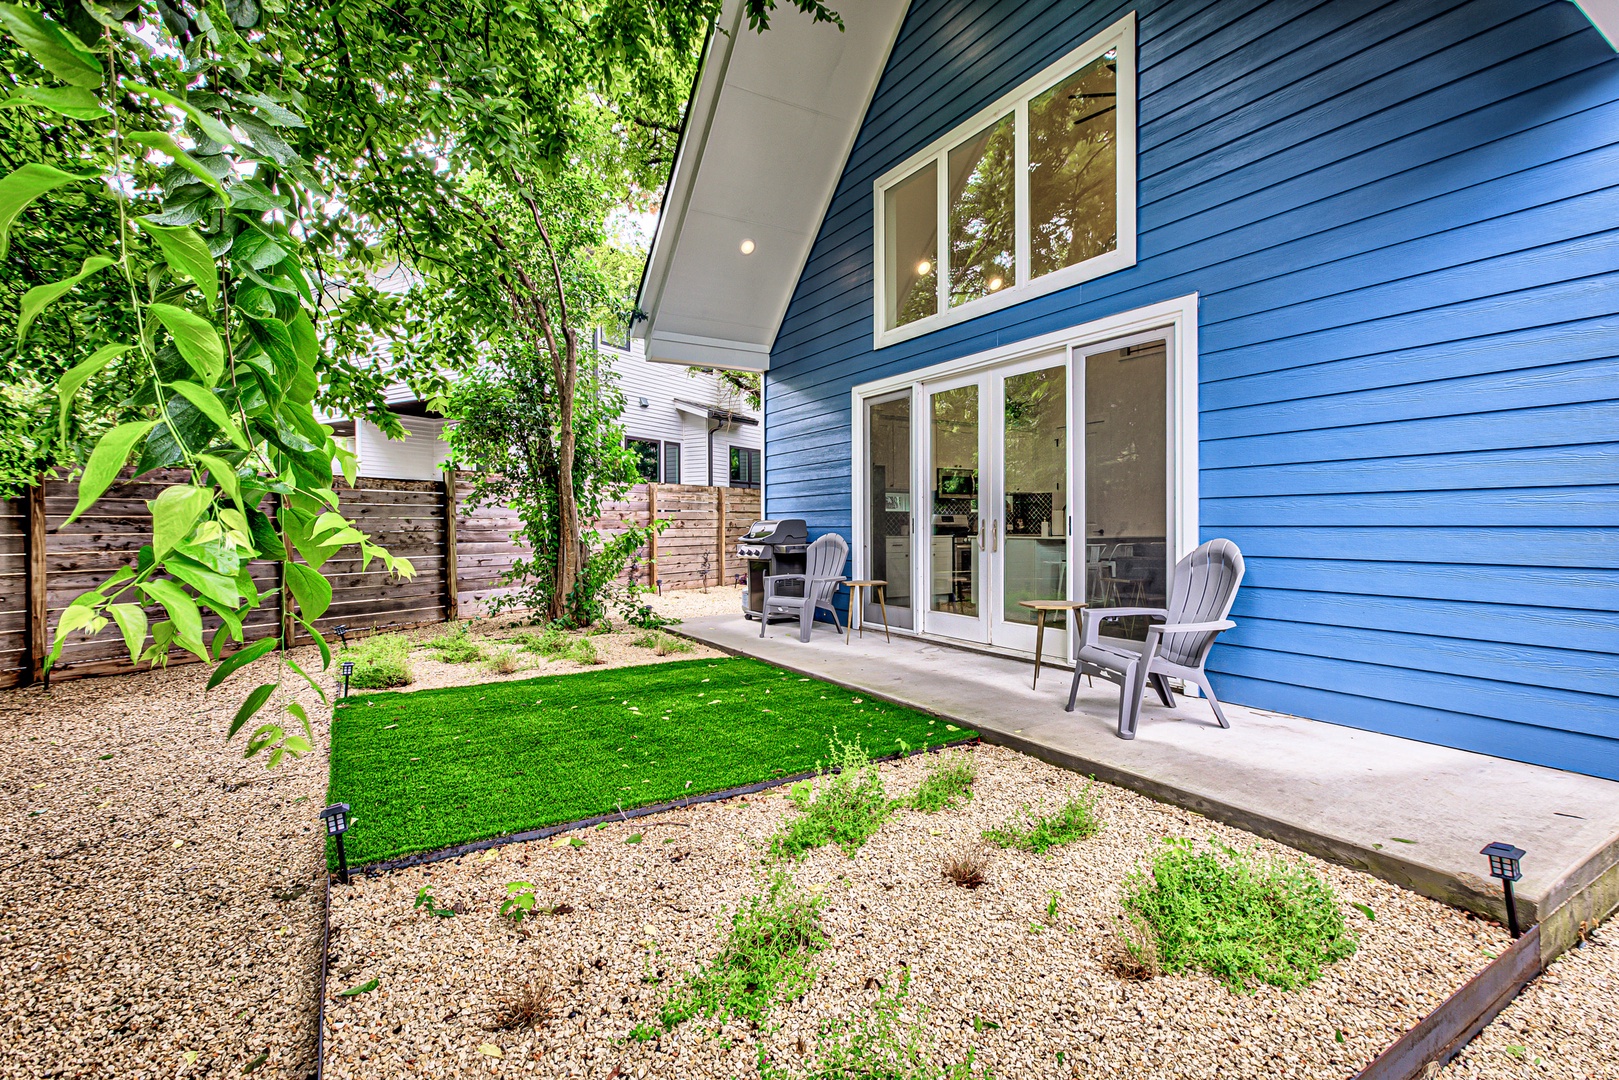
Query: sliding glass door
{"points": [[957, 445], [890, 515]]}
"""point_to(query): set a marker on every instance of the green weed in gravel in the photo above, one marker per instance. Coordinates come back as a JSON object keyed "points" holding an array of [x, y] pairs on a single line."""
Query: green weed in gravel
{"points": [[948, 782], [661, 643], [887, 1041], [380, 662], [554, 643], [844, 807], [1242, 918], [455, 646], [767, 957], [1076, 820]]}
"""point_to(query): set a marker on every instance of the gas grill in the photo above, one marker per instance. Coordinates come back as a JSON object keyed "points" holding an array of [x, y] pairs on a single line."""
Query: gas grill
{"points": [[772, 548]]}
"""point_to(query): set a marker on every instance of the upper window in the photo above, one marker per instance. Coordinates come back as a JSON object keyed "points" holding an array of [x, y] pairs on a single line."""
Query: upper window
{"points": [[1035, 193]]}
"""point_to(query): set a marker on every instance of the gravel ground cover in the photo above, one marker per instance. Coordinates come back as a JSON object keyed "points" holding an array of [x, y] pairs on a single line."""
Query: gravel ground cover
{"points": [[159, 895], [436, 768], [1564, 1026], [1015, 972]]}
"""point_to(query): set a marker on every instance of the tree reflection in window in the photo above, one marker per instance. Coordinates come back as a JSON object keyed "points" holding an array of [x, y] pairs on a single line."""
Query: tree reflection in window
{"points": [[982, 219], [1073, 191]]}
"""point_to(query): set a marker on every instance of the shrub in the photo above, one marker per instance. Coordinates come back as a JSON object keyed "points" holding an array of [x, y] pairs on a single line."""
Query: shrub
{"points": [[380, 662], [966, 868], [505, 662], [661, 643], [767, 955], [845, 807], [555, 643], [583, 651], [949, 781], [1027, 832], [455, 646], [1242, 918]]}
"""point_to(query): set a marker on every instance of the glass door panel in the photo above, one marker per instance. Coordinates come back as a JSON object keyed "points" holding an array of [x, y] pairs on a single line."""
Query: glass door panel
{"points": [[888, 486], [955, 529], [1029, 536], [1126, 481]]}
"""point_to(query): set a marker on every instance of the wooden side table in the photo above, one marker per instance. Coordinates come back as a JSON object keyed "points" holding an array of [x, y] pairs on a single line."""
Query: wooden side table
{"points": [[856, 590], [1040, 607]]}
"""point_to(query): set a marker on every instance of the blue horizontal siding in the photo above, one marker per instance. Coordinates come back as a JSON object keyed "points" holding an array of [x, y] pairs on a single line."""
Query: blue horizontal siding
{"points": [[1402, 220]]}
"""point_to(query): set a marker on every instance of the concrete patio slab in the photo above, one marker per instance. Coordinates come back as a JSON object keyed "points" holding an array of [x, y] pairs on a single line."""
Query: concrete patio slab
{"points": [[1411, 813]]}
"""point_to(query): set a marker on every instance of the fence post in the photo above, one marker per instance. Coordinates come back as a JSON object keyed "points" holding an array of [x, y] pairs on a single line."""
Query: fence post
{"points": [[452, 588], [283, 586], [719, 499], [38, 612], [652, 540]]}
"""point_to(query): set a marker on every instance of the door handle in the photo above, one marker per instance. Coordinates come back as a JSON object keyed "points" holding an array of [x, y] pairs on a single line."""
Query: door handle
{"points": [[995, 535], [982, 532]]}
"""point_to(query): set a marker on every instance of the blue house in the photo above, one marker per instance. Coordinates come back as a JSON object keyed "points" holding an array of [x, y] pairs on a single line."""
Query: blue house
{"points": [[1048, 292]]}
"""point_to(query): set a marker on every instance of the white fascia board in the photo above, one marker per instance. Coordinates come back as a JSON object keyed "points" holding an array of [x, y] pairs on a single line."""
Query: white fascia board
{"points": [[1604, 15], [693, 351]]}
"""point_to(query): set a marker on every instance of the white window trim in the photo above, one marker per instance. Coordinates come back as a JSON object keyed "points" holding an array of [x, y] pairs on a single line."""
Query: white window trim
{"points": [[1121, 35], [1177, 316]]}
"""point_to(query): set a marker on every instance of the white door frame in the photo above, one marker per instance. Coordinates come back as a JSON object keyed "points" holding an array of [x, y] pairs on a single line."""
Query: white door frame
{"points": [[973, 629], [1179, 316]]}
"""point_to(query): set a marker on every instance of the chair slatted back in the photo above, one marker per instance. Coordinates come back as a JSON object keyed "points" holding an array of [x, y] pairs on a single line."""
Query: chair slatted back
{"points": [[825, 559], [1205, 588]]}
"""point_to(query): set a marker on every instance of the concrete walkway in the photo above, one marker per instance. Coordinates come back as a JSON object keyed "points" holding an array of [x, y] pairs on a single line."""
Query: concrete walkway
{"points": [[1406, 811]]}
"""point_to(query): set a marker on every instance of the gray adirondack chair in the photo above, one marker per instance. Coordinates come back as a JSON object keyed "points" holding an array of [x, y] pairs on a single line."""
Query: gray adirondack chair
{"points": [[823, 566], [1204, 589]]}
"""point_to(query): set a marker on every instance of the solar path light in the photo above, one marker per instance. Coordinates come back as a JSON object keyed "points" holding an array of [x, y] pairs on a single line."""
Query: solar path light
{"points": [[1504, 865], [336, 817], [342, 633], [348, 669]]}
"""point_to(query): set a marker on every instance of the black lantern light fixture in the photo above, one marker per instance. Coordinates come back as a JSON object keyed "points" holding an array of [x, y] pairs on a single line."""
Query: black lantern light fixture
{"points": [[348, 669], [1504, 866], [336, 818], [342, 633]]}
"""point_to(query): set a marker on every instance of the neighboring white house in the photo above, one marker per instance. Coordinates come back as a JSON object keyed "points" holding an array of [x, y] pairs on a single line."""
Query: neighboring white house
{"points": [[686, 427]]}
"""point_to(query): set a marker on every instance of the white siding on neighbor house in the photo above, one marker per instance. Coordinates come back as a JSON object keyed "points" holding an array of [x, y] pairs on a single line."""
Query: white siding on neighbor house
{"points": [[661, 386], [419, 456]]}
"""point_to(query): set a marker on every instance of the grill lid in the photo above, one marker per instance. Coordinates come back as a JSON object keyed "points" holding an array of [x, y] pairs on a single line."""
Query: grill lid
{"points": [[783, 531]]}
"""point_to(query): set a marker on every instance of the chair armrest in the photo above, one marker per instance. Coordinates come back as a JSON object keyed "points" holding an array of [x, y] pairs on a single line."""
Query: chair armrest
{"points": [[1191, 628], [1091, 619]]}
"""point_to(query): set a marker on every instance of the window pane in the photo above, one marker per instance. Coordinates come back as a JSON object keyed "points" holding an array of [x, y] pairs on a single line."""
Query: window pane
{"points": [[955, 501], [1073, 196], [981, 222], [646, 457], [671, 463], [911, 220], [1035, 508], [889, 543]]}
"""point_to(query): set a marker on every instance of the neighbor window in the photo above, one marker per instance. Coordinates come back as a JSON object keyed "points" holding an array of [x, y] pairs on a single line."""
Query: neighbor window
{"points": [[1035, 193], [646, 457], [671, 463], [744, 467]]}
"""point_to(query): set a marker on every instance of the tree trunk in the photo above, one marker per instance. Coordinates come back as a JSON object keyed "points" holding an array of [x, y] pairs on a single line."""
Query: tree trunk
{"points": [[568, 546]]}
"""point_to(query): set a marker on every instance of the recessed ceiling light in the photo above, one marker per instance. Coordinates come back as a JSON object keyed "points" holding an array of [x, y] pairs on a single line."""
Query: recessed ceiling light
{"points": [[923, 267], [747, 247]]}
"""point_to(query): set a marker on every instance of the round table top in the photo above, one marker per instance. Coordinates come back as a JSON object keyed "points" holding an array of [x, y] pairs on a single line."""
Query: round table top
{"points": [[867, 581], [1052, 605]]}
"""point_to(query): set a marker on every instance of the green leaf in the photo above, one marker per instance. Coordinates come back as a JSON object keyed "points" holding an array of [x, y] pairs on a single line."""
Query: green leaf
{"points": [[164, 143], [183, 614], [216, 588], [57, 51], [187, 254], [106, 460], [26, 184], [312, 591], [131, 622], [228, 666], [297, 711], [224, 474], [270, 112], [75, 616], [196, 339], [78, 375], [297, 744], [35, 300], [208, 403], [70, 101], [174, 512], [325, 652], [251, 704], [356, 991], [207, 124]]}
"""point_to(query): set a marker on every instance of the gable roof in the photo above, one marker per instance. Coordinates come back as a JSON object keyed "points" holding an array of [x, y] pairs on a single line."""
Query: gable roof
{"points": [[767, 133]]}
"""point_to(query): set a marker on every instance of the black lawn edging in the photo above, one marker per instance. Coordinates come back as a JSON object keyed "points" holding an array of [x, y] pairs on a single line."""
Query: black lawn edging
{"points": [[325, 961]]}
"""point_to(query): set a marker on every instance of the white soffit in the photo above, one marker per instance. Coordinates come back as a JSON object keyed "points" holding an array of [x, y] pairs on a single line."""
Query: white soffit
{"points": [[1604, 15], [770, 127]]}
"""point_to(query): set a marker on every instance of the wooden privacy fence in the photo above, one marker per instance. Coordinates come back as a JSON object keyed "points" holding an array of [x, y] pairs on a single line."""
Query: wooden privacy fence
{"points": [[460, 556]]}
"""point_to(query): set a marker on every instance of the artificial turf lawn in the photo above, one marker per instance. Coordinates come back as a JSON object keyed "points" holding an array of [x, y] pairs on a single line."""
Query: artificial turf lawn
{"points": [[434, 768]]}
